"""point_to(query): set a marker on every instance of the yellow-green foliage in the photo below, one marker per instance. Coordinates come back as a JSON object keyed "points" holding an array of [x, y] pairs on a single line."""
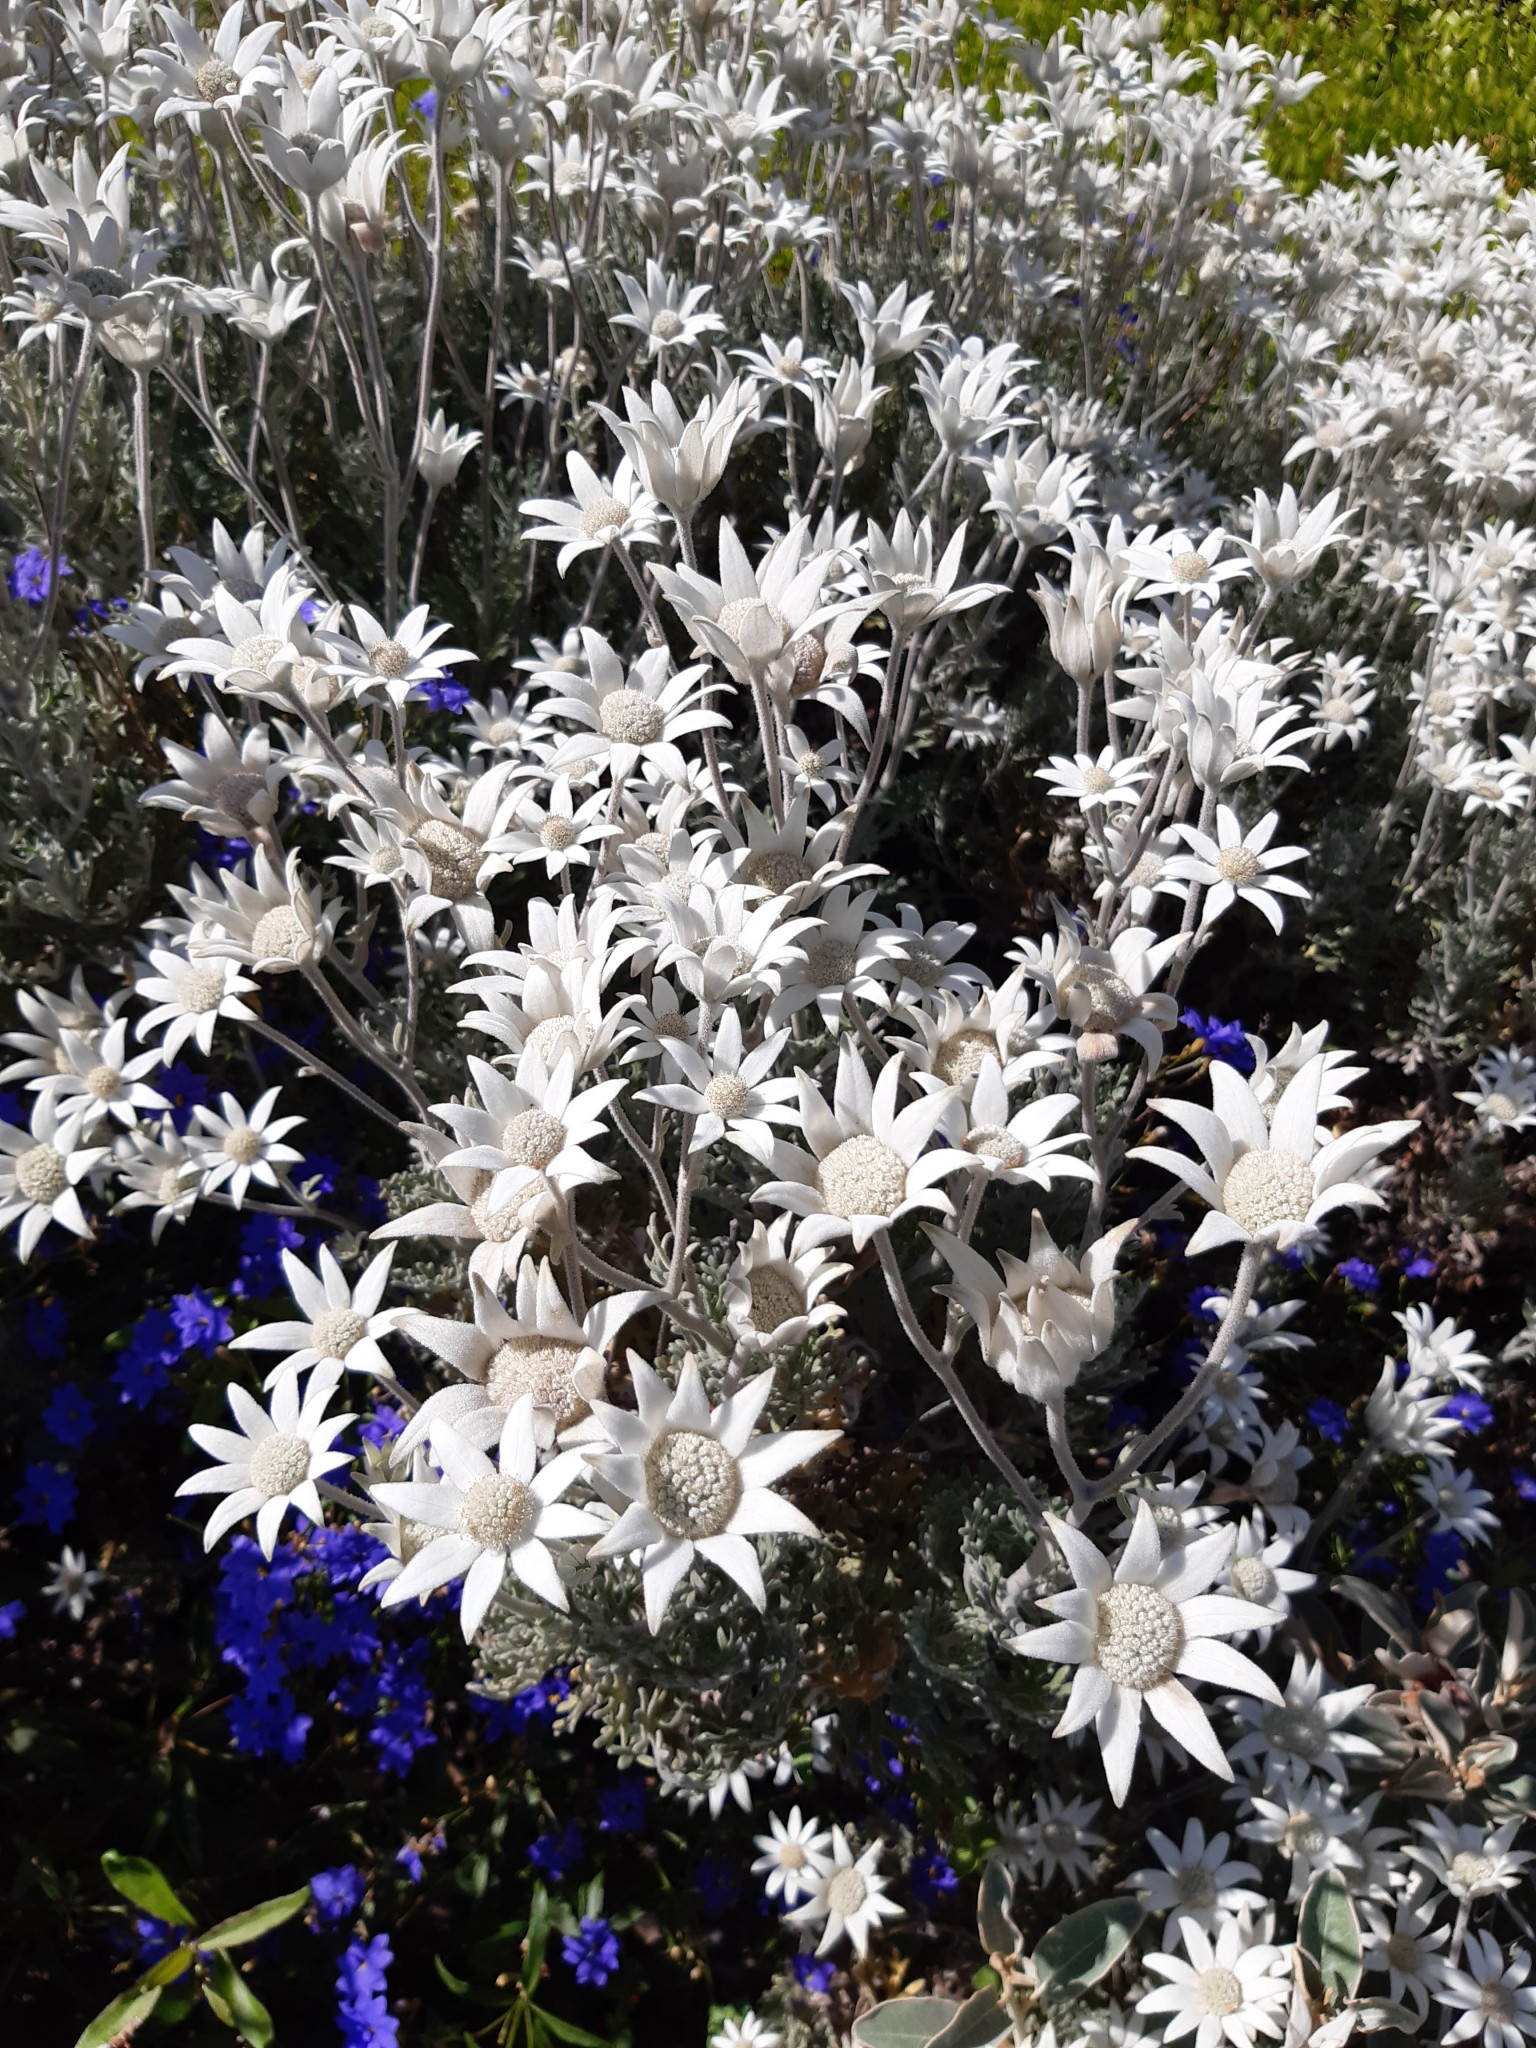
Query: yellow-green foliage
{"points": [[1399, 71]]}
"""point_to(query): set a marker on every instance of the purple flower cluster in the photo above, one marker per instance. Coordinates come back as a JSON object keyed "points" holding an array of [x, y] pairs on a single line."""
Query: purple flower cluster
{"points": [[31, 575], [1220, 1040], [592, 1952], [362, 1995]]}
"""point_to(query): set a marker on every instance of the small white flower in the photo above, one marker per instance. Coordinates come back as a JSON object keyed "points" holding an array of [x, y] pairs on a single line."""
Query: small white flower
{"points": [[189, 997], [1459, 1503], [1237, 864], [234, 1148], [1227, 1991], [773, 1290], [1306, 1731], [792, 1853], [1198, 1880], [1060, 1838], [729, 1088], [274, 1460], [849, 1896], [1469, 1861], [73, 1584], [100, 1081], [1491, 1996], [1405, 1948], [342, 1323], [40, 1171]]}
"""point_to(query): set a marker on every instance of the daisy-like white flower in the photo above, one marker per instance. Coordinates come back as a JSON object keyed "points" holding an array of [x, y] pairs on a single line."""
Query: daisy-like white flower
{"points": [[1237, 864], [629, 715], [1503, 1092], [773, 1290], [1198, 1880], [1096, 782], [663, 313], [868, 1162], [1270, 1181], [955, 1039], [841, 954], [1105, 992], [560, 833], [1469, 1861], [1059, 1838], [397, 662], [273, 1461], [274, 921], [539, 1350], [1306, 1732], [1040, 1319], [531, 1126], [1259, 1570], [492, 1515], [849, 1896], [747, 2032], [682, 460], [1135, 1631], [1311, 1824], [751, 616], [1405, 1948], [50, 1016], [618, 511], [73, 1585], [98, 1081], [1490, 1996], [342, 1324], [189, 996], [1181, 564], [1020, 1147], [1230, 1990], [1459, 1503], [729, 1087], [231, 786], [1441, 1350], [40, 1171], [160, 1172], [793, 1852], [694, 1481], [234, 1148]]}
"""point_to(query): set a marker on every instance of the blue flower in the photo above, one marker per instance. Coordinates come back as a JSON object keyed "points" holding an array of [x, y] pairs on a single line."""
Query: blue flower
{"points": [[1222, 1041], [1471, 1411], [622, 1806], [152, 1939], [442, 693], [263, 1239], [931, 1876], [362, 2004], [10, 1614], [1329, 1419], [717, 1883], [48, 1494], [381, 1425], [812, 1975], [31, 575], [1524, 1484], [1359, 1274], [200, 1323], [337, 1893], [46, 1326], [70, 1417], [554, 1854], [409, 1856], [425, 104], [1438, 1573], [593, 1952], [1416, 1265]]}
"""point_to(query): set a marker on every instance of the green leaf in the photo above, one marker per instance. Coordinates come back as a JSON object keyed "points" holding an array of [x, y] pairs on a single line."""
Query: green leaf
{"points": [[1328, 1935], [168, 1969], [459, 1986], [128, 2011], [537, 1938], [255, 1921], [904, 2023], [562, 2030], [1372, 2015], [994, 1914], [980, 2023], [241, 2008], [1085, 1946], [145, 1886]]}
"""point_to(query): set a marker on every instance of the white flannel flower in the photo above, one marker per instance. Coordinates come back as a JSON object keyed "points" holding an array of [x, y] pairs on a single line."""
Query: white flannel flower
{"points": [[1237, 864], [1503, 1092], [273, 1462], [232, 786], [868, 1162], [273, 922], [1096, 783], [1060, 1838], [747, 2032], [773, 1290], [1441, 1350], [1270, 1181], [40, 1170], [1306, 1732], [693, 1481], [663, 313], [1491, 1996], [631, 715], [160, 1172], [534, 1127], [849, 1897], [1311, 1824], [233, 1148], [73, 1585], [1469, 1861], [681, 460], [1458, 1502], [1230, 1990], [1026, 1146], [608, 512], [729, 1087], [97, 1081], [342, 1323], [483, 1517], [188, 997], [1040, 1319], [1198, 1880], [1134, 1632], [1405, 1949], [792, 1853], [1287, 543]]}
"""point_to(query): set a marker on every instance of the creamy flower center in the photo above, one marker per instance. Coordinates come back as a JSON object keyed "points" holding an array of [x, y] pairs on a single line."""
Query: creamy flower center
{"points": [[775, 1300], [1148, 871], [777, 870], [279, 935], [1404, 1953], [557, 833], [923, 964], [501, 732], [546, 1036], [415, 1536], [603, 519], [1138, 1636], [454, 855], [1337, 710], [279, 1463], [1267, 1187], [498, 1512], [862, 1177], [960, 1057], [257, 650], [238, 791], [169, 1188], [727, 1095], [631, 718], [1298, 1731], [1196, 1888], [1500, 1106], [791, 1856], [991, 1141], [41, 1174], [533, 1138], [692, 1483], [1469, 1869], [385, 859], [666, 325], [654, 845], [335, 1330], [830, 962], [1218, 1991], [672, 1024], [847, 1889], [1189, 567], [1112, 1000], [757, 627], [243, 1144], [104, 1083], [1059, 1836], [810, 763], [1096, 779], [540, 1366], [810, 664], [1253, 1580], [1238, 865], [214, 79], [1304, 1836], [1331, 434], [389, 658]]}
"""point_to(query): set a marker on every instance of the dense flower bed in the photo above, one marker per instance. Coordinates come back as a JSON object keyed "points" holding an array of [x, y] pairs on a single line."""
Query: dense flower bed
{"points": [[769, 827]]}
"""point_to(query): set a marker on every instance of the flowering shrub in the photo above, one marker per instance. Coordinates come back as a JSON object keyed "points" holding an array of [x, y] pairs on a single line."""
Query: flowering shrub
{"points": [[749, 1185]]}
